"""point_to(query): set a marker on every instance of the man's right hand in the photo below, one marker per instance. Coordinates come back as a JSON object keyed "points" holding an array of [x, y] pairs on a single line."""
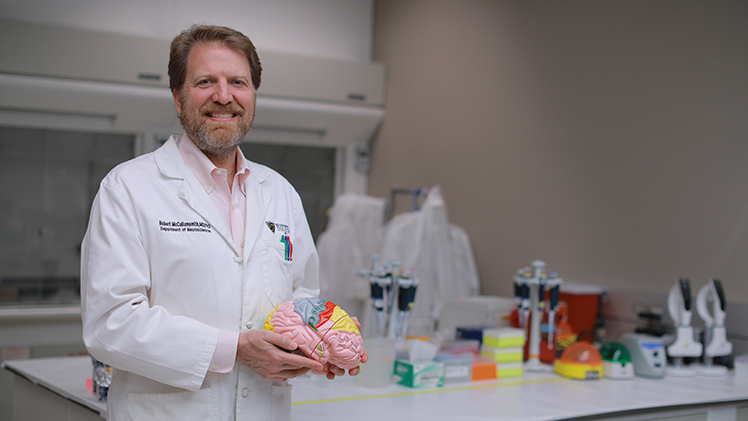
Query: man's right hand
{"points": [[270, 355]]}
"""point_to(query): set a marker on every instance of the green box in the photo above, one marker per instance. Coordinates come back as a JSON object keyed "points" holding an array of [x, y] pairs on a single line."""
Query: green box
{"points": [[419, 374]]}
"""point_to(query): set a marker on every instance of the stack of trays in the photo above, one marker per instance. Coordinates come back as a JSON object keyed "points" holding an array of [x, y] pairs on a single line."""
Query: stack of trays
{"points": [[506, 347]]}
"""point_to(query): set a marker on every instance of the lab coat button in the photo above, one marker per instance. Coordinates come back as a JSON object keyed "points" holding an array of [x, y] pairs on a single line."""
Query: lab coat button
{"points": [[250, 325], [245, 392]]}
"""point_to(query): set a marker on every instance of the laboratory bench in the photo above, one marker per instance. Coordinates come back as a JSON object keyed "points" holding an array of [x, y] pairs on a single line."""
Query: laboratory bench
{"points": [[55, 388]]}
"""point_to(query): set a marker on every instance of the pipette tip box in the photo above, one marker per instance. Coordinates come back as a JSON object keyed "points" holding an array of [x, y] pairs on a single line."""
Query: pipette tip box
{"points": [[484, 369], [506, 337], [504, 370], [502, 355]]}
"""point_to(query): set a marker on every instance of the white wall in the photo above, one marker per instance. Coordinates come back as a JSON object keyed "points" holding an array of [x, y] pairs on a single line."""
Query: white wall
{"points": [[607, 138], [338, 29]]}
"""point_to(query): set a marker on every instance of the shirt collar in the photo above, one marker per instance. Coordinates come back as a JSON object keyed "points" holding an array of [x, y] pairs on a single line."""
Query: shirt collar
{"points": [[202, 166]]}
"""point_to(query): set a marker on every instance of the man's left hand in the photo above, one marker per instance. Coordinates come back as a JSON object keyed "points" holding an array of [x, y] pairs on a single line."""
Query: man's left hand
{"points": [[334, 371]]}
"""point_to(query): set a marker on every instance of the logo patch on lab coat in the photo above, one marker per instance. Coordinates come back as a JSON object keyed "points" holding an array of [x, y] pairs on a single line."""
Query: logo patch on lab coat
{"points": [[281, 228]]}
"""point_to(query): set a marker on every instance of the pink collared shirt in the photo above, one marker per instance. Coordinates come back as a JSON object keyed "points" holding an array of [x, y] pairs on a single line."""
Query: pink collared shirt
{"points": [[232, 205]]}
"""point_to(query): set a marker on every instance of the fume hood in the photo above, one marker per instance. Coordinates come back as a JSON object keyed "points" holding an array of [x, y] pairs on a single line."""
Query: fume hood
{"points": [[75, 102]]}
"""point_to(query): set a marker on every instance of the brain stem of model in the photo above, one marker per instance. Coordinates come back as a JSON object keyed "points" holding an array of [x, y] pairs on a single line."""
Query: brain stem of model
{"points": [[323, 330]]}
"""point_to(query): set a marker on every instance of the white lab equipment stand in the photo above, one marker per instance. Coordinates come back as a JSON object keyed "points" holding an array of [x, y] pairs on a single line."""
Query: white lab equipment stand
{"points": [[715, 343], [679, 306], [539, 278]]}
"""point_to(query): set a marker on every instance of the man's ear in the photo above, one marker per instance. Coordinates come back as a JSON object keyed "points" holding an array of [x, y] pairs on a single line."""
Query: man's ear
{"points": [[177, 102]]}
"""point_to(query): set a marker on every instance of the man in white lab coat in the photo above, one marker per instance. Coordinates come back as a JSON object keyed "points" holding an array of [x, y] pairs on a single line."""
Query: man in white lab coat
{"points": [[189, 248]]}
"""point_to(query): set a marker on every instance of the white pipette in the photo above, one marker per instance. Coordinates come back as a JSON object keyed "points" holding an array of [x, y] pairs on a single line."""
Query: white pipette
{"points": [[716, 343]]}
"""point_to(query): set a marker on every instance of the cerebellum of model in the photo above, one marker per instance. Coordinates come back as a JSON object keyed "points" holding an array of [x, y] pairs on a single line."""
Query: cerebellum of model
{"points": [[323, 330]]}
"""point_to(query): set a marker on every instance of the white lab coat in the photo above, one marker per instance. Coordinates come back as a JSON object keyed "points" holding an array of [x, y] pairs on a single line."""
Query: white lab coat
{"points": [[160, 278]]}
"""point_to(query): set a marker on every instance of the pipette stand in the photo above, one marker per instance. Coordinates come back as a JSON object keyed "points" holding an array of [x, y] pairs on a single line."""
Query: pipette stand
{"points": [[683, 346], [715, 341], [717, 346], [534, 283], [391, 310], [679, 307]]}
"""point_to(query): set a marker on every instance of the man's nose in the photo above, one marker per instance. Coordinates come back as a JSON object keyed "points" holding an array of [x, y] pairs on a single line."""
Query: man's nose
{"points": [[222, 94]]}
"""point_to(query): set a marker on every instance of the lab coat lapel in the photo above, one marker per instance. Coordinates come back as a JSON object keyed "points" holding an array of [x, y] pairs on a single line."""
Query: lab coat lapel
{"points": [[258, 201], [193, 193], [172, 165]]}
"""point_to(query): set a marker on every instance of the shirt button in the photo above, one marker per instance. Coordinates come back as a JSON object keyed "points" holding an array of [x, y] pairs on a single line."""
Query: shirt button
{"points": [[209, 188], [250, 325], [245, 392], [241, 245], [233, 207], [215, 366]]}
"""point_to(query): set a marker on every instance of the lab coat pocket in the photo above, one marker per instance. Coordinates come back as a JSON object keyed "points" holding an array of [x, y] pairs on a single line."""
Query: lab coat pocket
{"points": [[183, 406], [281, 401], [277, 271]]}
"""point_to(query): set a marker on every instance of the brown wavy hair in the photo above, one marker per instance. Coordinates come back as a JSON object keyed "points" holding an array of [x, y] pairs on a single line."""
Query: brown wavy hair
{"points": [[197, 34]]}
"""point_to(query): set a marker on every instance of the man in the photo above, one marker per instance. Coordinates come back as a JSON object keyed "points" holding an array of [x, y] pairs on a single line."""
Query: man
{"points": [[189, 248]]}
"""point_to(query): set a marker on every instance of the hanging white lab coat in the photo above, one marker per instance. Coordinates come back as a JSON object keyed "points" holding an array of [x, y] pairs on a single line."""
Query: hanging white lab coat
{"points": [[353, 234], [439, 252], [160, 278]]}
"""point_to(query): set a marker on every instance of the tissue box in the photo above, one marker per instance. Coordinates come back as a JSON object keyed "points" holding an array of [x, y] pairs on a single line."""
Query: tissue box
{"points": [[419, 374]]}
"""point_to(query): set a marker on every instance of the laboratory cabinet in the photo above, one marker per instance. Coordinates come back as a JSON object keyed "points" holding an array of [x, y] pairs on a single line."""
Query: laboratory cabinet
{"points": [[34, 402], [57, 386]]}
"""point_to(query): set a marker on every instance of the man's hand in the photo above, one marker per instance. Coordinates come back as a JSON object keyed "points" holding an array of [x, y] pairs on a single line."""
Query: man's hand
{"points": [[270, 355], [333, 370]]}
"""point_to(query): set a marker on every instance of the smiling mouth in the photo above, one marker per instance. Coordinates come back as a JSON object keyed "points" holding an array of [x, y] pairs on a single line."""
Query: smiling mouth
{"points": [[221, 115]]}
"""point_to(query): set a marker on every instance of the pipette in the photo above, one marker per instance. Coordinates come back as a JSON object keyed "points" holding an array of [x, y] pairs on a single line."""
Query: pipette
{"points": [[406, 299], [392, 292], [379, 282], [716, 343], [555, 283], [679, 307]]}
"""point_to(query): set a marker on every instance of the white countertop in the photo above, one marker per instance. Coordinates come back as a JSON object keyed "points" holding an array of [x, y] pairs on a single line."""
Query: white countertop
{"points": [[532, 397], [65, 376]]}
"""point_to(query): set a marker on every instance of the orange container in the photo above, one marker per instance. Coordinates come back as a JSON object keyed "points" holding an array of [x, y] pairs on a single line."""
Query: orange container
{"points": [[583, 303]]}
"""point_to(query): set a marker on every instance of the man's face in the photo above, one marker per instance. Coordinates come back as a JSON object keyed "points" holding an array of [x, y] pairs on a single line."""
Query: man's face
{"points": [[216, 104]]}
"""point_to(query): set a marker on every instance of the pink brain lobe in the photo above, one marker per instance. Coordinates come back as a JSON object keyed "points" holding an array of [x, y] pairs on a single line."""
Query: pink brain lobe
{"points": [[323, 331]]}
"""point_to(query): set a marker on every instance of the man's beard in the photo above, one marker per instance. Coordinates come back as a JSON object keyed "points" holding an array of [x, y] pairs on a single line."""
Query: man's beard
{"points": [[214, 139]]}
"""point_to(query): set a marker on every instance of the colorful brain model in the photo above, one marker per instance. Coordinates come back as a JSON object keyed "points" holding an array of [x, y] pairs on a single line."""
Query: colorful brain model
{"points": [[322, 330]]}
